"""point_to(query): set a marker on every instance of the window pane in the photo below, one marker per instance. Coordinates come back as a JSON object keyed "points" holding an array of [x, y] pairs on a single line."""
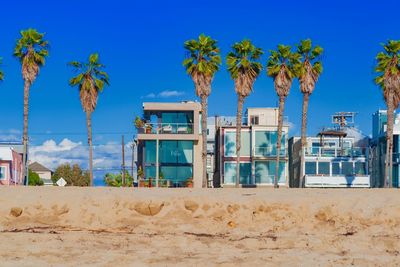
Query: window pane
{"points": [[150, 172], [177, 176], [185, 151], [265, 172], [335, 168], [230, 173], [323, 168], [230, 144], [2, 173], [347, 168], [150, 151], [360, 168], [168, 152], [311, 168]]}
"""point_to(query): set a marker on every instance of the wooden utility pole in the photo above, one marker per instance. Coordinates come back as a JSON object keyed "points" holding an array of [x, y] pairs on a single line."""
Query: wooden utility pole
{"points": [[123, 162]]}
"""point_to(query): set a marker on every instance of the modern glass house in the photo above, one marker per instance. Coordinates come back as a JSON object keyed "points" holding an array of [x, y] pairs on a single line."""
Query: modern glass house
{"points": [[258, 150], [169, 145]]}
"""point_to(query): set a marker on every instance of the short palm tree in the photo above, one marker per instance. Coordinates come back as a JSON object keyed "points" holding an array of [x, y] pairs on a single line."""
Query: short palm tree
{"points": [[244, 67], [202, 62], [31, 50], [90, 81], [308, 72], [280, 67], [388, 69]]}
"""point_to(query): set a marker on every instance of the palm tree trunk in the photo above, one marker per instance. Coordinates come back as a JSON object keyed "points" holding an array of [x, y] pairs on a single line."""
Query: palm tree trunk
{"points": [[389, 141], [306, 97], [279, 141], [204, 137], [238, 137], [89, 129], [27, 85]]}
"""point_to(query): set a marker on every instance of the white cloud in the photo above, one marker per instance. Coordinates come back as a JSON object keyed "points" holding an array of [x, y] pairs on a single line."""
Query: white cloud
{"points": [[165, 94], [106, 157]]}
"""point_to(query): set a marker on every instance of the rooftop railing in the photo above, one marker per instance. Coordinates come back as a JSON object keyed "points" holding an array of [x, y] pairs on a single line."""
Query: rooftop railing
{"points": [[166, 128], [335, 152]]}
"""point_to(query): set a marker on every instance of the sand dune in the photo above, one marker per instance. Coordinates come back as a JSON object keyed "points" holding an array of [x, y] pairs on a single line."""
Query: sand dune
{"points": [[183, 227]]}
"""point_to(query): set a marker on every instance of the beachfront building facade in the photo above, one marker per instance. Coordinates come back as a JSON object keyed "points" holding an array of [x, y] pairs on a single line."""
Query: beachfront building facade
{"points": [[11, 167], [170, 145], [258, 151], [213, 124], [378, 149], [336, 157]]}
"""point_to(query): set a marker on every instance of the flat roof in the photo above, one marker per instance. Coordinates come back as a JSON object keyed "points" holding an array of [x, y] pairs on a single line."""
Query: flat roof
{"points": [[171, 106]]}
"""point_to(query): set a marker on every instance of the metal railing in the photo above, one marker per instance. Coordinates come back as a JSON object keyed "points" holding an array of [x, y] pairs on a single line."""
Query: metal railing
{"points": [[335, 152], [269, 151], [167, 128]]}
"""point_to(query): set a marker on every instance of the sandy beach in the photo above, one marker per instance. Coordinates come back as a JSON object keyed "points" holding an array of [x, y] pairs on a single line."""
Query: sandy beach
{"points": [[50, 226]]}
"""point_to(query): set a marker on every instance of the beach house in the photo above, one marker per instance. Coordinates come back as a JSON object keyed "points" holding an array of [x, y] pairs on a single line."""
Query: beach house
{"points": [[258, 150], [11, 167], [170, 145], [336, 157]]}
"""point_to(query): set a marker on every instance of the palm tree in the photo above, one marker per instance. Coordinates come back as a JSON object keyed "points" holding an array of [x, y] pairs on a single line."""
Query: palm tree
{"points": [[244, 68], [31, 50], [388, 69], [90, 81], [202, 62], [280, 67], [308, 72]]}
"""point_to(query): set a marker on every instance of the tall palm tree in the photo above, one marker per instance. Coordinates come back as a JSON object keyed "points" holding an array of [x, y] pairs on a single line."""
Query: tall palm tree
{"points": [[202, 62], [388, 69], [90, 81], [308, 72], [280, 67], [31, 50], [244, 67]]}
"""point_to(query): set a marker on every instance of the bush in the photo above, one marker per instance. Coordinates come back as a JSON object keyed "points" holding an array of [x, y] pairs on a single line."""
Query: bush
{"points": [[115, 180], [34, 179], [72, 174]]}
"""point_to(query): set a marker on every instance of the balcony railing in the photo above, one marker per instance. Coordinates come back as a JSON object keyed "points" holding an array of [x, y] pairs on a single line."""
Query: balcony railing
{"points": [[166, 128], [335, 152], [268, 151]]}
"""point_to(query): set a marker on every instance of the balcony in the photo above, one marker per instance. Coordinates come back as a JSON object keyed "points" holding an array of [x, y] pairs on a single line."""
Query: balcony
{"points": [[166, 128], [334, 152], [268, 151]]}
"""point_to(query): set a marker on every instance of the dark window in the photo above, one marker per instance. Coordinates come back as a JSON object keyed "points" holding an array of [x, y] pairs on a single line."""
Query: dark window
{"points": [[311, 167], [254, 120]]}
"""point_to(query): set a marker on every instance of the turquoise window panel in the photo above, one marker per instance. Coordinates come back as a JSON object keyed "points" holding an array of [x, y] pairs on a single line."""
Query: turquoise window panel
{"points": [[230, 173], [150, 172], [230, 144], [311, 168], [177, 174], [176, 152], [265, 143], [150, 152], [323, 168], [265, 172], [347, 168], [335, 168], [360, 168]]}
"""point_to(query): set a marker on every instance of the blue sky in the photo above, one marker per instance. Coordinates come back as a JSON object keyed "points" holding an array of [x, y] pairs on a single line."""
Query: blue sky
{"points": [[141, 43]]}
